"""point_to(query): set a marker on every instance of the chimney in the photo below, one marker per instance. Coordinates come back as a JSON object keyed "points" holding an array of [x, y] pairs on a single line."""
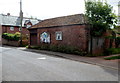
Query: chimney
{"points": [[8, 14]]}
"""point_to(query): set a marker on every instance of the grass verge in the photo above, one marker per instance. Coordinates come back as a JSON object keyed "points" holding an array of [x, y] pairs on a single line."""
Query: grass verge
{"points": [[112, 57]]}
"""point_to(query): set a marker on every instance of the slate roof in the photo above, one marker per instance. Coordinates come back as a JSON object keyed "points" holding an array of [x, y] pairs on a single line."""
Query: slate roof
{"points": [[119, 3], [62, 21], [14, 20]]}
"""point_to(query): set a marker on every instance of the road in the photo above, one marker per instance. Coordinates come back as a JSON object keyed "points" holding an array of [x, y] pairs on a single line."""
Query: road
{"points": [[19, 65]]}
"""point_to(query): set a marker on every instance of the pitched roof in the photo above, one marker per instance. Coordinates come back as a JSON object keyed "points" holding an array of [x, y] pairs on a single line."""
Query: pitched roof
{"points": [[119, 3], [62, 21], [14, 20]]}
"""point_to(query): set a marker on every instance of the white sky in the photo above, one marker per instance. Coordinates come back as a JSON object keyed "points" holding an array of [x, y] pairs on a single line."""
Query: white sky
{"points": [[44, 9]]}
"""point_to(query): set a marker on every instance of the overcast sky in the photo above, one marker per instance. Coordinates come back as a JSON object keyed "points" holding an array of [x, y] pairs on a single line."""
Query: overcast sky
{"points": [[44, 9]]}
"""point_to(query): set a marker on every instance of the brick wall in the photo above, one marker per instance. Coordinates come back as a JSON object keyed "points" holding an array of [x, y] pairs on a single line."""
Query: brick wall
{"points": [[6, 29], [74, 35], [11, 43]]}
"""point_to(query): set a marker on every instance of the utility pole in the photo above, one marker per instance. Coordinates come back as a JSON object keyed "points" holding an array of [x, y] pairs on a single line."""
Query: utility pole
{"points": [[119, 13], [91, 40], [21, 18]]}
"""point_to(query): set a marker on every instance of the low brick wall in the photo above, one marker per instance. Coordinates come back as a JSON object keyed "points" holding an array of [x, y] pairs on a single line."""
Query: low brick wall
{"points": [[11, 43]]}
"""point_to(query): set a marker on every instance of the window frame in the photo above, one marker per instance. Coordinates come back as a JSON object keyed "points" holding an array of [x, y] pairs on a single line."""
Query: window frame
{"points": [[60, 33], [47, 39], [12, 28]]}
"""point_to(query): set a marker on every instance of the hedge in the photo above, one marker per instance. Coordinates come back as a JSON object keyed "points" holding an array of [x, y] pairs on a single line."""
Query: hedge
{"points": [[110, 51], [12, 37], [60, 48]]}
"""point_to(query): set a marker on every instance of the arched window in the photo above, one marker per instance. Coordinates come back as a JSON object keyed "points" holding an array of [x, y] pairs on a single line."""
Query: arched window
{"points": [[45, 37]]}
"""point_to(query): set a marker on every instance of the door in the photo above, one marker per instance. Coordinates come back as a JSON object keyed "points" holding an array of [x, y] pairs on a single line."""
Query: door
{"points": [[33, 39]]}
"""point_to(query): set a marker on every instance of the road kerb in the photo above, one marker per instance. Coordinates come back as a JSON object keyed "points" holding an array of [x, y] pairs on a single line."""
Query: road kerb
{"points": [[67, 57]]}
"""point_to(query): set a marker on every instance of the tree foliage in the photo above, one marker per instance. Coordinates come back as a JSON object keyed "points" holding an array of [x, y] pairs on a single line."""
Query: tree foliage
{"points": [[100, 16]]}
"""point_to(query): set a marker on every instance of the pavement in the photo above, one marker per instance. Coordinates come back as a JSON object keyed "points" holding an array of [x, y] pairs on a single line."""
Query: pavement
{"points": [[100, 61]]}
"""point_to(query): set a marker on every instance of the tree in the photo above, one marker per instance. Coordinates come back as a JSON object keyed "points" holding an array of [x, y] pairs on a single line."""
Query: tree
{"points": [[100, 18]]}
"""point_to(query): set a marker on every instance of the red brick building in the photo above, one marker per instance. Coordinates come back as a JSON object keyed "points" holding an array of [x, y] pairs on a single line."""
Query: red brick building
{"points": [[67, 30], [11, 24]]}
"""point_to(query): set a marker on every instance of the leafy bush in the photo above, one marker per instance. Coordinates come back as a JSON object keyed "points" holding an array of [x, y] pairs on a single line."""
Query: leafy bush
{"points": [[17, 33], [110, 37], [43, 47], [112, 51], [112, 58], [24, 43], [27, 46], [117, 42], [12, 37], [53, 48], [59, 48]]}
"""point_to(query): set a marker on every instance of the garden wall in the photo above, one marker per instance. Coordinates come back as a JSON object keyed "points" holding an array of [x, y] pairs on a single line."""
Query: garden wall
{"points": [[14, 43], [11, 43]]}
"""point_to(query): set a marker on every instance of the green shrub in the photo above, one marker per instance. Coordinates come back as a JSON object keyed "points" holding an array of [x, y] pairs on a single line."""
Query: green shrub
{"points": [[27, 46], [12, 37], [112, 58], [117, 41], [62, 49], [24, 43], [112, 51], [44, 47], [59, 48], [53, 48]]}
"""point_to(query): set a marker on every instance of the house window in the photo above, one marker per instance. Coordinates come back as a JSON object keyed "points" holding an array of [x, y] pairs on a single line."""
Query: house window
{"points": [[59, 35], [28, 26], [19, 29], [12, 28], [45, 37]]}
